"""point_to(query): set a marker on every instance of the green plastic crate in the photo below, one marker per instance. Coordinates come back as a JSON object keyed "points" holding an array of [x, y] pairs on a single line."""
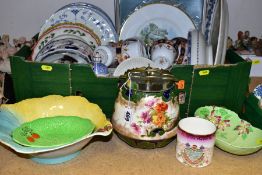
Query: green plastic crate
{"points": [[222, 85]]}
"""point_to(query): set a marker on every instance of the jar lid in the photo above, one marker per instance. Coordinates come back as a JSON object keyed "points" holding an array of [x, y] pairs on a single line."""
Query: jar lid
{"points": [[148, 79]]}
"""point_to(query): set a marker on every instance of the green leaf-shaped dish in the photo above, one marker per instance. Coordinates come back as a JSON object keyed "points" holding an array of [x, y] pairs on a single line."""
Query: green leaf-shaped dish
{"points": [[233, 134], [52, 131]]}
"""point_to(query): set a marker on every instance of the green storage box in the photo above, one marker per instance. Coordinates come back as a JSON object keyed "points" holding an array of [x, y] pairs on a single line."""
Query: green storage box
{"points": [[252, 111], [222, 85]]}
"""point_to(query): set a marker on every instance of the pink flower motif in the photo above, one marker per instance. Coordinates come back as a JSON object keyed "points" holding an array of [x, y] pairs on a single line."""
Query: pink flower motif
{"points": [[243, 128], [223, 124], [136, 128], [150, 103], [146, 117]]}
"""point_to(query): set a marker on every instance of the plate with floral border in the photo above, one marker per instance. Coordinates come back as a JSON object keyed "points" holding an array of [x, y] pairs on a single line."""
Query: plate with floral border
{"points": [[86, 14], [66, 30], [233, 135], [226, 28], [149, 24]]}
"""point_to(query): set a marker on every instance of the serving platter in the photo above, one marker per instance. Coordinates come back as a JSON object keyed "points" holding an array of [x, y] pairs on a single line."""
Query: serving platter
{"points": [[148, 26], [86, 14]]}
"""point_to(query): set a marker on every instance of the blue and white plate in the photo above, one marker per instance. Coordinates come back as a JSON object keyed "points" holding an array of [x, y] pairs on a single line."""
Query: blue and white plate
{"points": [[86, 14], [258, 91], [215, 28]]}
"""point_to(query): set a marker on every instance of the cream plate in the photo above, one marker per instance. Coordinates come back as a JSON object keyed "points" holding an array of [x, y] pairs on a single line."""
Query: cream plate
{"points": [[133, 63], [156, 21]]}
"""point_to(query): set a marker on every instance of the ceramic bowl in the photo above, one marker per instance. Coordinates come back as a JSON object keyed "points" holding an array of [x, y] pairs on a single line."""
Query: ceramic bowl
{"points": [[163, 53], [13, 115], [233, 134]]}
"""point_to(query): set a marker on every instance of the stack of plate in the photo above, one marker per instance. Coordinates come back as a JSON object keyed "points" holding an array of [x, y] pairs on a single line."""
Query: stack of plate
{"points": [[72, 33]]}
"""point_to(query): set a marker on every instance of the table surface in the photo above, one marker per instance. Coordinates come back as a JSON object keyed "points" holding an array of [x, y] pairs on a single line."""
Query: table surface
{"points": [[113, 156]]}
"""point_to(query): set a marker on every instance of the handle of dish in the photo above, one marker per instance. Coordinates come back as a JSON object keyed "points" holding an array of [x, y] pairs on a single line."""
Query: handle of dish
{"points": [[103, 131]]}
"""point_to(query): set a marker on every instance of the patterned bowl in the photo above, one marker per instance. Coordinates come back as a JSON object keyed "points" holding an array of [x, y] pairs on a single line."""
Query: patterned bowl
{"points": [[13, 115], [233, 135]]}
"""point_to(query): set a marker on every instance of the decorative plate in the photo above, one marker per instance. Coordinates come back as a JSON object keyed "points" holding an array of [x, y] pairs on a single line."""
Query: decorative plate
{"points": [[233, 134], [226, 28], [209, 54], [215, 28], [65, 57], [67, 30], [194, 8], [223, 33], [133, 63], [258, 91], [196, 51], [68, 45], [149, 24], [88, 15], [211, 19], [52, 131]]}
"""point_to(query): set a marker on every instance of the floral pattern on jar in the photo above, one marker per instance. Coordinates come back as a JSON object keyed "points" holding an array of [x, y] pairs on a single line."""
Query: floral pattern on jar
{"points": [[149, 118]]}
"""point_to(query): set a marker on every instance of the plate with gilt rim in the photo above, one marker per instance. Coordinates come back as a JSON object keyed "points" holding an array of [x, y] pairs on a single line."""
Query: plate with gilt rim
{"points": [[66, 30], [86, 14]]}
